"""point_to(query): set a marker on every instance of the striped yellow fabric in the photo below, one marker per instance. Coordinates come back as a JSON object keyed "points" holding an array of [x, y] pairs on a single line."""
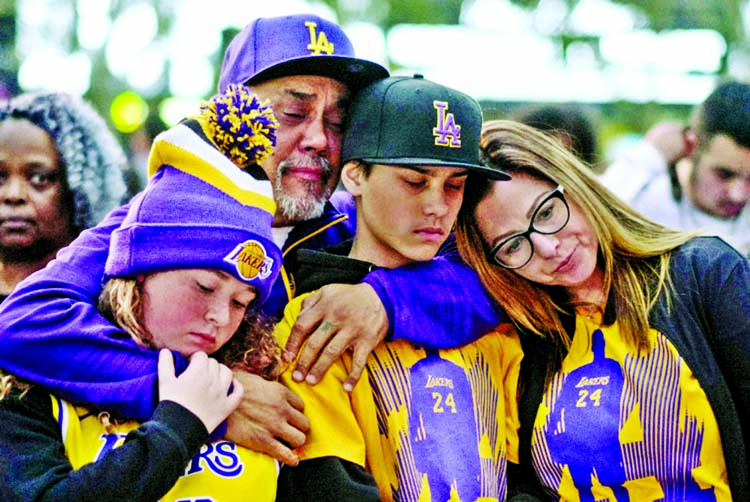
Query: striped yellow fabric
{"points": [[182, 149]]}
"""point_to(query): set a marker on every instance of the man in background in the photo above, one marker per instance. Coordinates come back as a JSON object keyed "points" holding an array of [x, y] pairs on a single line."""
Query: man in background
{"points": [[694, 178]]}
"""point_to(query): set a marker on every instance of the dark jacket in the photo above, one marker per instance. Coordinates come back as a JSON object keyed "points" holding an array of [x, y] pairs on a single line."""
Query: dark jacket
{"points": [[34, 464]]}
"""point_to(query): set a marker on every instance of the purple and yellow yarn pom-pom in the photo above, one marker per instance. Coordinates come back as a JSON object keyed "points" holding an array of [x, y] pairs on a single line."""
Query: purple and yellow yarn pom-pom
{"points": [[242, 127]]}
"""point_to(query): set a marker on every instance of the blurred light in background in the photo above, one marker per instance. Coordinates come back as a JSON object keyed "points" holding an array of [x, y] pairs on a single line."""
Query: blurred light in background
{"points": [[172, 110], [369, 41], [190, 47], [499, 52], [128, 111], [681, 51], [600, 17], [502, 16], [51, 68], [94, 23], [131, 43]]}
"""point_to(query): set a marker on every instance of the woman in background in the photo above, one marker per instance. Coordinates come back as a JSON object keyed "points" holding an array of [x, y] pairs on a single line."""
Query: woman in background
{"points": [[61, 171]]}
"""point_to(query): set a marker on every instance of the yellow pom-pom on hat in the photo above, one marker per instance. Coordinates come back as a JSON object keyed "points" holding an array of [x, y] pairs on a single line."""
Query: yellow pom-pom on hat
{"points": [[242, 127]]}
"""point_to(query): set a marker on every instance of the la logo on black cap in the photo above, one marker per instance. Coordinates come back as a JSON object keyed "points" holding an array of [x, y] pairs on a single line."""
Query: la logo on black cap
{"points": [[446, 127]]}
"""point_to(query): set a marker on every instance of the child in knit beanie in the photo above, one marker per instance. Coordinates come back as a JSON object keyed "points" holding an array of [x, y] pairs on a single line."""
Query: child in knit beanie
{"points": [[199, 211], [187, 269]]}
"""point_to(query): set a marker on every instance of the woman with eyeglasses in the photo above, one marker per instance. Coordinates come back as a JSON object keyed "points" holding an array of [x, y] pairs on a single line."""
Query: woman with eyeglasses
{"points": [[635, 381]]}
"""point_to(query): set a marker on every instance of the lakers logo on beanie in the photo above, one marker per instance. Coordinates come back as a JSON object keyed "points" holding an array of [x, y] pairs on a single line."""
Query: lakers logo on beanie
{"points": [[250, 260], [199, 209]]}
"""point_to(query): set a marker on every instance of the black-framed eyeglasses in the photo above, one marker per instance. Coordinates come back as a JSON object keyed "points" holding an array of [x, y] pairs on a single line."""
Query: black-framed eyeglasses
{"points": [[550, 216]]}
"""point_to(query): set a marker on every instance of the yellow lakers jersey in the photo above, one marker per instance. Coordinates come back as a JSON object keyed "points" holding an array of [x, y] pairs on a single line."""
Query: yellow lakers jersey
{"points": [[620, 424], [222, 471], [429, 425]]}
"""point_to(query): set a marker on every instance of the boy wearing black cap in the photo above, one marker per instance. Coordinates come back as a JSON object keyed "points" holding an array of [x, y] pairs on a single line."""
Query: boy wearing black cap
{"points": [[424, 424]]}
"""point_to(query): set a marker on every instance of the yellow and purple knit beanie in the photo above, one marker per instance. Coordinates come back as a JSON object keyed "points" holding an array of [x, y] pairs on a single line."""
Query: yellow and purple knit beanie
{"points": [[201, 208]]}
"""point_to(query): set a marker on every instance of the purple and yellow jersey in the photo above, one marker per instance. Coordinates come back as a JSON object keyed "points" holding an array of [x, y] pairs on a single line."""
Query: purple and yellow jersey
{"points": [[620, 424], [428, 425], [222, 471]]}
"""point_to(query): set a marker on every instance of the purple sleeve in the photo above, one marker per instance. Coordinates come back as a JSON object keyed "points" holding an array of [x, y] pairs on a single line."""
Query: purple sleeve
{"points": [[445, 290], [52, 333], [343, 201]]}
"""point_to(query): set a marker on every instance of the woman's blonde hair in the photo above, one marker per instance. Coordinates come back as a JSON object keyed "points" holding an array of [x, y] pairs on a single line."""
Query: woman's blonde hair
{"points": [[252, 347], [634, 252]]}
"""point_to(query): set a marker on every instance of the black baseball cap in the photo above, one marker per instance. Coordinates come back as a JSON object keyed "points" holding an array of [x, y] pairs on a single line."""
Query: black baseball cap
{"points": [[414, 121]]}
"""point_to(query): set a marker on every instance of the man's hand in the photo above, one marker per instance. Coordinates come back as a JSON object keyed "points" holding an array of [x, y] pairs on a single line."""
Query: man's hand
{"points": [[269, 419], [334, 319], [671, 139]]}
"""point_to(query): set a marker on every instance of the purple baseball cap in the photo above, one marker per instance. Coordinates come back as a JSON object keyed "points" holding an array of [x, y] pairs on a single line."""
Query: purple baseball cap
{"points": [[302, 44]]}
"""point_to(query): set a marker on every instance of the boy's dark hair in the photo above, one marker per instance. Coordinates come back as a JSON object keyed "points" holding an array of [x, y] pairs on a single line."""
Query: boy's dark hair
{"points": [[726, 111]]}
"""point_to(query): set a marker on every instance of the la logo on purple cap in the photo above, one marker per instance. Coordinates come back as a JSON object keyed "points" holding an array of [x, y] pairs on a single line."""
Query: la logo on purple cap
{"points": [[318, 42], [446, 127], [251, 260]]}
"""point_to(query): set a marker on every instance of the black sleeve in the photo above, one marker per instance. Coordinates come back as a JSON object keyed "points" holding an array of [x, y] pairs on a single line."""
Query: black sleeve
{"points": [[722, 308], [523, 483], [520, 487], [34, 466], [326, 478]]}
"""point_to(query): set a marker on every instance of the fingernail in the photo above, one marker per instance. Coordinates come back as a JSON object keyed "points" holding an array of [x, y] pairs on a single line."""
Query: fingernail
{"points": [[298, 376], [348, 387], [311, 380]]}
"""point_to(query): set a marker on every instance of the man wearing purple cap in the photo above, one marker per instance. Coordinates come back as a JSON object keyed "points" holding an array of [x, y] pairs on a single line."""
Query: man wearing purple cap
{"points": [[305, 67]]}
